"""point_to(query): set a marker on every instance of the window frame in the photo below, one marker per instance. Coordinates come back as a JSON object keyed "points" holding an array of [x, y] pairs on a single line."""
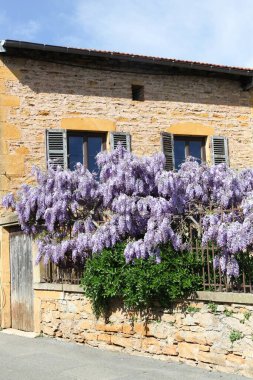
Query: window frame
{"points": [[85, 136], [187, 139]]}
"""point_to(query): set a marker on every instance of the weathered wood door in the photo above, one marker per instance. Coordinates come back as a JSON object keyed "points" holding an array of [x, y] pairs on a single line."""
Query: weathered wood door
{"points": [[21, 281]]}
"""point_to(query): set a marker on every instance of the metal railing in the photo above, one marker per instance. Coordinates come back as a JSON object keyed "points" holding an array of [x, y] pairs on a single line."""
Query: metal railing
{"points": [[52, 273], [212, 279]]}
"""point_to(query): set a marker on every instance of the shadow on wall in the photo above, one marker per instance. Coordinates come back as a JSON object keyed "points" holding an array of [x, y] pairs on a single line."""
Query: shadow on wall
{"points": [[72, 78]]}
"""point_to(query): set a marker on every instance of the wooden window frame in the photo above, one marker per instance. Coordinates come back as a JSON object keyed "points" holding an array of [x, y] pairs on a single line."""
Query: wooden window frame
{"points": [[187, 139], [85, 136]]}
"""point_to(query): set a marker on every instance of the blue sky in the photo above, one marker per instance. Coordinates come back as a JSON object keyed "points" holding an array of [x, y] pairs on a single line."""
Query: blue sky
{"points": [[215, 31]]}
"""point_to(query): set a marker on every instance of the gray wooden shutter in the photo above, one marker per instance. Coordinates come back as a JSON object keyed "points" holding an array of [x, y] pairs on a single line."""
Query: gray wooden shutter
{"points": [[120, 137], [167, 143], [57, 148], [220, 150]]}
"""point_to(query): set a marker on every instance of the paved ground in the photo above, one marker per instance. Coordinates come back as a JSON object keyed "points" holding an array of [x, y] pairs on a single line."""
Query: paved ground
{"points": [[43, 359]]}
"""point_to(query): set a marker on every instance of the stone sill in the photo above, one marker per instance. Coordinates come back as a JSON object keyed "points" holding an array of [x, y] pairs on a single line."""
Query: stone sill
{"points": [[219, 297], [9, 220], [58, 287], [223, 297]]}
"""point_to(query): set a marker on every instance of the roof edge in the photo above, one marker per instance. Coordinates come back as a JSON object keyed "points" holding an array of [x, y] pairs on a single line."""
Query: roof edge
{"points": [[2, 49], [5, 45]]}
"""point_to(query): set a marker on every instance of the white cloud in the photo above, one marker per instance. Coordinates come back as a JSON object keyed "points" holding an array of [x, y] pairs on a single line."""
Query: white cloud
{"points": [[218, 31], [18, 30], [207, 30]]}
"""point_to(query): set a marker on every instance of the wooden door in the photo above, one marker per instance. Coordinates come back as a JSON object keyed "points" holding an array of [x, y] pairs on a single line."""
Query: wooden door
{"points": [[21, 281]]}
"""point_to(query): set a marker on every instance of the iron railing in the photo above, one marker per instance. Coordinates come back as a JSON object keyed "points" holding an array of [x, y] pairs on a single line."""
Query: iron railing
{"points": [[212, 279], [51, 273]]}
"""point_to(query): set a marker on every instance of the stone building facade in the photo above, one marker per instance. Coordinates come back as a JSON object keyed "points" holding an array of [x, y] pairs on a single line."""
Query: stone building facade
{"points": [[88, 93], [42, 89]]}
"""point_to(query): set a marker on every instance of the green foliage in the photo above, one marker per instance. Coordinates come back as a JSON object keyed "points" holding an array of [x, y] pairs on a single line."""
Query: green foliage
{"points": [[235, 335], [247, 315], [140, 284], [212, 307], [192, 309], [228, 313]]}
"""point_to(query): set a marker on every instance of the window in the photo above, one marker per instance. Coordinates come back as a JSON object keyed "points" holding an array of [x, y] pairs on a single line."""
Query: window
{"points": [[83, 147], [188, 146], [66, 149], [137, 92], [177, 148]]}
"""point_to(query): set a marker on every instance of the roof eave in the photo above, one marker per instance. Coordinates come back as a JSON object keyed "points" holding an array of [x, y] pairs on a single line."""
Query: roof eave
{"points": [[11, 45]]}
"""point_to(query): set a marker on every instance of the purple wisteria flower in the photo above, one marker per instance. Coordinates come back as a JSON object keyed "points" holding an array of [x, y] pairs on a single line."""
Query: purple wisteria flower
{"points": [[76, 214]]}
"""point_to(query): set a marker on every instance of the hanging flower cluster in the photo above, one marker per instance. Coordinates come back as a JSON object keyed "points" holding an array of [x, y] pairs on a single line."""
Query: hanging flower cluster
{"points": [[75, 213]]}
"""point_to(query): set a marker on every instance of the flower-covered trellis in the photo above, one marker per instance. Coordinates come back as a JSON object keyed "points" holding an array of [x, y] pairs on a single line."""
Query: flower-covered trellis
{"points": [[77, 214]]}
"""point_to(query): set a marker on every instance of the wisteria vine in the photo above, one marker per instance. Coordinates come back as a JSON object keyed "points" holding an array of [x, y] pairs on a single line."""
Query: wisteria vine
{"points": [[74, 214]]}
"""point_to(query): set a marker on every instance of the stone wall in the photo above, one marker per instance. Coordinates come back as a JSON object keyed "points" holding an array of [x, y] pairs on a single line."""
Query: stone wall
{"points": [[197, 333], [36, 95]]}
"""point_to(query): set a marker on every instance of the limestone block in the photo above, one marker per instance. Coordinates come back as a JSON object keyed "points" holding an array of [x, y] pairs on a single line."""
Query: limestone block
{"points": [[204, 348], [140, 328], [22, 150], [48, 330], [10, 131], [87, 308], [193, 337], [47, 318], [4, 183], [188, 350], [208, 357], [168, 318], [170, 350], [189, 320], [7, 74], [68, 316], [127, 329], [235, 324], [159, 330], [121, 341], [248, 371], [151, 345], [85, 324], [179, 336], [235, 360], [104, 338], [56, 314], [213, 336], [100, 327], [12, 164], [89, 336], [9, 100], [72, 308], [207, 320]]}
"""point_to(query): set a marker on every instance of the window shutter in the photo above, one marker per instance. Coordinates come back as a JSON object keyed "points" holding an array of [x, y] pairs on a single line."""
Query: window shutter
{"points": [[57, 148], [120, 137], [167, 143], [220, 150]]}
